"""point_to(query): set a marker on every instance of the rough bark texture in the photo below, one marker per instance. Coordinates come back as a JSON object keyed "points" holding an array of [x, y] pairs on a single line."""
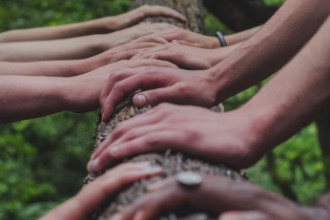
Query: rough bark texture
{"points": [[171, 162]]}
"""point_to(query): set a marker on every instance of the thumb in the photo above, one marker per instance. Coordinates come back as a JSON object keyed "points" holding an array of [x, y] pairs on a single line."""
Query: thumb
{"points": [[156, 96]]}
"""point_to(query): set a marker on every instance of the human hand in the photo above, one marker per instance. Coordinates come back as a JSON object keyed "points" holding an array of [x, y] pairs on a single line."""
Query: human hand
{"points": [[91, 196], [93, 82], [225, 137], [134, 16], [184, 37], [122, 52], [134, 32], [184, 56], [165, 84], [232, 200]]}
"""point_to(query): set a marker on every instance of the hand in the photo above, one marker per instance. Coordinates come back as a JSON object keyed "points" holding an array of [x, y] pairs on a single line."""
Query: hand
{"points": [[186, 57], [233, 200], [225, 137], [91, 196], [184, 37], [81, 93], [132, 33], [122, 52], [166, 84], [134, 16]]}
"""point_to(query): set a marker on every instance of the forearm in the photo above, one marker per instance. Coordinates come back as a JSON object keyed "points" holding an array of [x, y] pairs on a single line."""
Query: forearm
{"points": [[73, 48], [23, 97], [271, 47], [241, 36], [63, 68], [215, 56], [97, 26], [295, 96]]}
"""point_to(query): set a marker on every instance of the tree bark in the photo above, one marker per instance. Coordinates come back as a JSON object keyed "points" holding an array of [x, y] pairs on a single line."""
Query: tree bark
{"points": [[171, 162]]}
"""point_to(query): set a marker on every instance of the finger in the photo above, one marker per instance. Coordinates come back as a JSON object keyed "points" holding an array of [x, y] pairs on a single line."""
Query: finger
{"points": [[113, 78], [155, 141], [147, 118], [122, 89], [136, 132], [109, 183], [150, 206], [156, 96], [162, 11], [238, 215], [152, 39]]}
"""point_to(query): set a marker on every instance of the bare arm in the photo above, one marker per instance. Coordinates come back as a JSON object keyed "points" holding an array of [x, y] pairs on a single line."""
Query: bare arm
{"points": [[271, 47], [241, 36], [24, 97], [291, 100], [75, 48], [97, 26]]}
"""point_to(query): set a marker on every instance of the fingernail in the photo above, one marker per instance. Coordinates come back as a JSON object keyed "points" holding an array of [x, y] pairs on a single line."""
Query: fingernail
{"points": [[93, 165], [114, 151], [116, 217], [139, 215], [229, 217], [140, 100], [152, 169]]}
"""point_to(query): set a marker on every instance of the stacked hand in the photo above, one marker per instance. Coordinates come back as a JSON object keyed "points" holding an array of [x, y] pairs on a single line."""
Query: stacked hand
{"points": [[134, 16], [194, 130], [186, 57], [165, 85], [231, 200], [92, 83], [184, 37], [93, 195]]}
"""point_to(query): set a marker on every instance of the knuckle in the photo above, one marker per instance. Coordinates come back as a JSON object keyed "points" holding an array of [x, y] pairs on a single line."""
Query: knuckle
{"points": [[183, 88]]}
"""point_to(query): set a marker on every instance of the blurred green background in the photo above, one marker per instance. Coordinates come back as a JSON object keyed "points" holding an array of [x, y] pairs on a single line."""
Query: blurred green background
{"points": [[42, 161]]}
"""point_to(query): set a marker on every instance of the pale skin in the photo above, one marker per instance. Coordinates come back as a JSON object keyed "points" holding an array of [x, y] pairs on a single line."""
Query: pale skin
{"points": [[94, 194], [187, 57], [189, 38], [68, 68], [75, 48], [36, 96], [96, 26], [274, 44], [240, 137], [232, 200]]}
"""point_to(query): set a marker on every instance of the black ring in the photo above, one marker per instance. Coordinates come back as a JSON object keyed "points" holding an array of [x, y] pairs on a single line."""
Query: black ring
{"points": [[221, 38]]}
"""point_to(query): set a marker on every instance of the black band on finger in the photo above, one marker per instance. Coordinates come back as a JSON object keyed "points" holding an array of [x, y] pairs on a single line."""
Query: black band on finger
{"points": [[221, 38]]}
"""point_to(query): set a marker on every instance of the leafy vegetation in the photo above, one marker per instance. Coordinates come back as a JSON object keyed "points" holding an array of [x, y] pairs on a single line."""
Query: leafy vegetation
{"points": [[42, 161]]}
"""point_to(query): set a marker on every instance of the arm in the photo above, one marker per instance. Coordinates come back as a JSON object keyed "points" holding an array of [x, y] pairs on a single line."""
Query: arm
{"points": [[185, 37], [97, 26], [291, 100], [234, 200], [24, 97], [67, 68], [260, 56], [271, 47], [241, 36], [75, 48], [94, 194]]}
